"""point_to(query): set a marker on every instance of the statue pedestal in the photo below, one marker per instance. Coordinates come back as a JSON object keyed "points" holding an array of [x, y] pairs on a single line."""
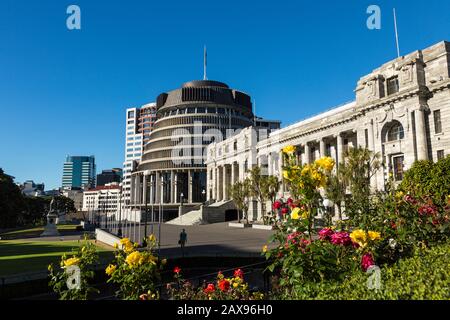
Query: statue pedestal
{"points": [[50, 229]]}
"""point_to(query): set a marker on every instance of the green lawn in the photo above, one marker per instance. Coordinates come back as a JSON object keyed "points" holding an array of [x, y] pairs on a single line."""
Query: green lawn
{"points": [[22, 256], [36, 232]]}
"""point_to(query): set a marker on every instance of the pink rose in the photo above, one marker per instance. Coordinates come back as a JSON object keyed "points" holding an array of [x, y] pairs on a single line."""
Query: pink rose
{"points": [[326, 234], [341, 238], [367, 261]]}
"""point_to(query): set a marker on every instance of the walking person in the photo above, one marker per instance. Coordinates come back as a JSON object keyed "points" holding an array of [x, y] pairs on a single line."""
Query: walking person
{"points": [[183, 240]]}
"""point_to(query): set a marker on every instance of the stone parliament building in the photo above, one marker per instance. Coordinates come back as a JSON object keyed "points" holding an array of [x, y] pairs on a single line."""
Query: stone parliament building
{"points": [[401, 111]]}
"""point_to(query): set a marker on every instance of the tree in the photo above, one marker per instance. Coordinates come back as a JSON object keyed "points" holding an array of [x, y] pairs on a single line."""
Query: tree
{"points": [[263, 187], [359, 168], [335, 189], [11, 202], [240, 193]]}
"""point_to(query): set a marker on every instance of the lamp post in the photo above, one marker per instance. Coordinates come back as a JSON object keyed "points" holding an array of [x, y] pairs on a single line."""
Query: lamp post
{"points": [[328, 204], [119, 232], [161, 213], [203, 196], [145, 218]]}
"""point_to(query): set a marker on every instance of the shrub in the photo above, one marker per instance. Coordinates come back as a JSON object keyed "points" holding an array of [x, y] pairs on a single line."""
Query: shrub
{"points": [[425, 276], [136, 272], [62, 281], [231, 288], [426, 178]]}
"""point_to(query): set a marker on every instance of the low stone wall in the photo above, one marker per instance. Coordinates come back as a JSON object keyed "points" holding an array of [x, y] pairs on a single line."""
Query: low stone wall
{"points": [[106, 237]]}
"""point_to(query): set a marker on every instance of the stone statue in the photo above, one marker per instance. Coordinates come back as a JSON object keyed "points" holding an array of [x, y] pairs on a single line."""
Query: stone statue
{"points": [[50, 229]]}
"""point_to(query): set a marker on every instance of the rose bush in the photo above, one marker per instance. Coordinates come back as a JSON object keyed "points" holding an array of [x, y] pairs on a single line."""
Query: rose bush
{"points": [[136, 271]]}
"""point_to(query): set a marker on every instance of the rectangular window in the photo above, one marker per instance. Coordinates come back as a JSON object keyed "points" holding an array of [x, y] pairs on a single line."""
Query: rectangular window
{"points": [[437, 121], [392, 85], [398, 168], [440, 154], [366, 136], [130, 114]]}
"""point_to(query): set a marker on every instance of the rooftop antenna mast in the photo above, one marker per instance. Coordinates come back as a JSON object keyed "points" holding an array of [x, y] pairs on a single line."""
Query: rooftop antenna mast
{"points": [[204, 63], [396, 34]]}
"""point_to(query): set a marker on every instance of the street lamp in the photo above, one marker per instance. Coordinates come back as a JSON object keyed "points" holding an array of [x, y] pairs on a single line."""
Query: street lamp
{"points": [[328, 204], [161, 213], [119, 232], [203, 196]]}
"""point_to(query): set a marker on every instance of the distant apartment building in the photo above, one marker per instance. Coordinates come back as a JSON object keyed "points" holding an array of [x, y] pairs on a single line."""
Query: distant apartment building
{"points": [[79, 172], [31, 189], [139, 125], [76, 194], [109, 176], [101, 201]]}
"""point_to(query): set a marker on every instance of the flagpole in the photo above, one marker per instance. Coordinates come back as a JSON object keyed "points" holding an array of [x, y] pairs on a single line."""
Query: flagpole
{"points": [[204, 63], [396, 34]]}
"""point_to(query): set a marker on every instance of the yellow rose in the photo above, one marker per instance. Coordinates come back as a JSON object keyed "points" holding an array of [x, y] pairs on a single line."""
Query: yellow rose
{"points": [[286, 175], [152, 238], [295, 214], [374, 235], [71, 262], [359, 237], [289, 149], [110, 269], [116, 245], [325, 163], [305, 215], [134, 259], [265, 249]]}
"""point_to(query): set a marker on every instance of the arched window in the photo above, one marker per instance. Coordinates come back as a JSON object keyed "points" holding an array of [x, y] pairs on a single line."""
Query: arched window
{"points": [[396, 132]]}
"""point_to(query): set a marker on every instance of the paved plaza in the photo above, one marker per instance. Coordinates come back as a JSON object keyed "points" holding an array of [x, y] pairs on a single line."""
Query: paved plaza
{"points": [[204, 240]]}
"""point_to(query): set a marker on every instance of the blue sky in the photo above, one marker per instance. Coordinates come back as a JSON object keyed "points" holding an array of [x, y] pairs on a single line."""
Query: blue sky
{"points": [[65, 92]]}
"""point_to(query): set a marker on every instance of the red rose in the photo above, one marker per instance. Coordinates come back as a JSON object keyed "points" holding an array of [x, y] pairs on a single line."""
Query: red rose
{"points": [[277, 205], [284, 211], [176, 270], [209, 289], [238, 273], [224, 285]]}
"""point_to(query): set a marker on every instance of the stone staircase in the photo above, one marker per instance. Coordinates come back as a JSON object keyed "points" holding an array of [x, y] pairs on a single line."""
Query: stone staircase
{"points": [[212, 213], [191, 218]]}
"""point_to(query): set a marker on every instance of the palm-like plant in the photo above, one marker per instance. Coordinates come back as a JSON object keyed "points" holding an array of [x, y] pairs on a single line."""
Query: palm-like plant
{"points": [[240, 193]]}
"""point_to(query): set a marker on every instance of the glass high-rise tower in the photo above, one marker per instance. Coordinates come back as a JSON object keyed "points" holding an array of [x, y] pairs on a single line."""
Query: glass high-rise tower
{"points": [[79, 172]]}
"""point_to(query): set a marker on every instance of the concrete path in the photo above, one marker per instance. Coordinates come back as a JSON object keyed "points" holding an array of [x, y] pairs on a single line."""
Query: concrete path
{"points": [[205, 240]]}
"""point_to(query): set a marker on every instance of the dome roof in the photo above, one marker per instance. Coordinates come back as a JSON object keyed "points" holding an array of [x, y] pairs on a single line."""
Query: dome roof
{"points": [[204, 83]]}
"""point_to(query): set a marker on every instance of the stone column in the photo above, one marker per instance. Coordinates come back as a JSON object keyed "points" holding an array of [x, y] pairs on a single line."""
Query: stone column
{"points": [[371, 137], [144, 188], [421, 134], [172, 184], [269, 164], [233, 174], [218, 189], [224, 183], [340, 148], [152, 189], [175, 187], [241, 171], [371, 147], [136, 189], [190, 186], [307, 153], [158, 187], [280, 172], [322, 148], [131, 189]]}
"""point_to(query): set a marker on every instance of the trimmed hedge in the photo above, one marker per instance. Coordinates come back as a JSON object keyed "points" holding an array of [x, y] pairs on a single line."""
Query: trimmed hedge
{"points": [[425, 276]]}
